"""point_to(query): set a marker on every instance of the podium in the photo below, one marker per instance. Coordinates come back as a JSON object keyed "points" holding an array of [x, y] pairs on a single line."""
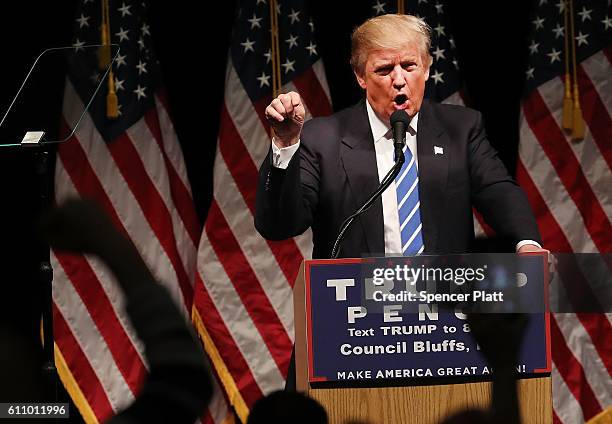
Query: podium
{"points": [[420, 394]]}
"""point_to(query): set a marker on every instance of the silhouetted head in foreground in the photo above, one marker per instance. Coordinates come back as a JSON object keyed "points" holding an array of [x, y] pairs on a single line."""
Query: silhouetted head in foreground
{"points": [[283, 407]]}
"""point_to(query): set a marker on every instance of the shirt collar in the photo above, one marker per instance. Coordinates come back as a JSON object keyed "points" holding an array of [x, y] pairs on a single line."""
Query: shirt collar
{"points": [[380, 128]]}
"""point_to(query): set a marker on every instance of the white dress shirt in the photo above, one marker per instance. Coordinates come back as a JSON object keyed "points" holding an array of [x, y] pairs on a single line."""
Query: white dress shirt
{"points": [[383, 145]]}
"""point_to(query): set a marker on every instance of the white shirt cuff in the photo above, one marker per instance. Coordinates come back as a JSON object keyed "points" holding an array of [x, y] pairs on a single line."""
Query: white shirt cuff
{"points": [[282, 156], [524, 242]]}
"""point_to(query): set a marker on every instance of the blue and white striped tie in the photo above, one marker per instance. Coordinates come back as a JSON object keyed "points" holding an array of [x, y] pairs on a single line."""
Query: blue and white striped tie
{"points": [[408, 205]]}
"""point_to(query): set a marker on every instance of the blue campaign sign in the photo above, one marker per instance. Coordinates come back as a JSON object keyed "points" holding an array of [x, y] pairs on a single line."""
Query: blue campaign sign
{"points": [[418, 330]]}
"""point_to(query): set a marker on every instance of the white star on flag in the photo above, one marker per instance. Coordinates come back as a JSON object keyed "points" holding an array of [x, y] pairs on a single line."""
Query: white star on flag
{"points": [[294, 16], [288, 65], [125, 10], [263, 80], [585, 14], [437, 76], [255, 21], [248, 45], [538, 22], [554, 55], [83, 21], [120, 60], [292, 41], [312, 49], [145, 29], [582, 38], [78, 45], [122, 34], [142, 67], [379, 8], [439, 53], [140, 91]]}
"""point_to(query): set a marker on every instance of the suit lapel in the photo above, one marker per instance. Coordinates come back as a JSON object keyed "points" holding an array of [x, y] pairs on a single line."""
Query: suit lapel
{"points": [[358, 159], [433, 154]]}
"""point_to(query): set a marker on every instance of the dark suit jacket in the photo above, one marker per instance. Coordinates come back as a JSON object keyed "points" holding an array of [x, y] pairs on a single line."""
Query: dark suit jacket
{"points": [[334, 172]]}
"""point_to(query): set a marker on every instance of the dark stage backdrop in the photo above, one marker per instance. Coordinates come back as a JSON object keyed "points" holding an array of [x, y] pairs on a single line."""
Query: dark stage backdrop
{"points": [[191, 39]]}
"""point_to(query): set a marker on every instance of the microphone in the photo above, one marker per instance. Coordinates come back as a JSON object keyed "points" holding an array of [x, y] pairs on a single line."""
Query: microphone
{"points": [[399, 124]]}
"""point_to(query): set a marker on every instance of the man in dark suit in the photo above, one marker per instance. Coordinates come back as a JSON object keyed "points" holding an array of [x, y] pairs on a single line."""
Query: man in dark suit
{"points": [[321, 172]]}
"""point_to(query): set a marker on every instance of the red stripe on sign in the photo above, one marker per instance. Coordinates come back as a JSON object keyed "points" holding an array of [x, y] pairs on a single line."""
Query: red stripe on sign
{"points": [[564, 161], [573, 374], [246, 176], [596, 115], [247, 286], [102, 313], [556, 419], [153, 207], [181, 196], [225, 344], [313, 93], [81, 369]]}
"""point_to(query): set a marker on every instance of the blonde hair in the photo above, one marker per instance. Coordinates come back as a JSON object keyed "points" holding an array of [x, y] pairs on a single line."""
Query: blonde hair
{"points": [[389, 32]]}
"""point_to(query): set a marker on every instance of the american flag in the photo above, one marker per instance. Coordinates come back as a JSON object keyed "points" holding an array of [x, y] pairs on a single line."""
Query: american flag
{"points": [[243, 296], [133, 166], [568, 184]]}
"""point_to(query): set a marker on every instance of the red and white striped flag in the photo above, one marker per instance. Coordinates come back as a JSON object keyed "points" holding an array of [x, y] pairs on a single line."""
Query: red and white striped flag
{"points": [[569, 185], [243, 305], [133, 166]]}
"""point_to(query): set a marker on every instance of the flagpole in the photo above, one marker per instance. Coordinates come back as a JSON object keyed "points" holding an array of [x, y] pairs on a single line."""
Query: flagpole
{"points": [[578, 123], [275, 50]]}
